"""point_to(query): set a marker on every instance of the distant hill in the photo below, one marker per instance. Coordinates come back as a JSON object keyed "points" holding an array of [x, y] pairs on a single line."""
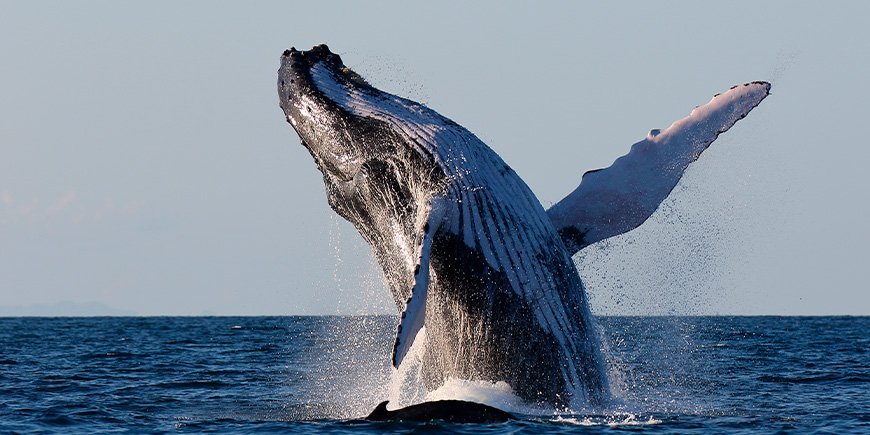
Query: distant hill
{"points": [[63, 309]]}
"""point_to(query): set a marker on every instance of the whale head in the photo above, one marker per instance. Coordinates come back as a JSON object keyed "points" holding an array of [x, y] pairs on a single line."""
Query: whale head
{"points": [[359, 155], [377, 175], [317, 118]]}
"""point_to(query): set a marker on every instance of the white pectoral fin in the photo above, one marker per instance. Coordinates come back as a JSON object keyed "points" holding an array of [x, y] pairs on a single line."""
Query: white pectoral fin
{"points": [[414, 315], [619, 198]]}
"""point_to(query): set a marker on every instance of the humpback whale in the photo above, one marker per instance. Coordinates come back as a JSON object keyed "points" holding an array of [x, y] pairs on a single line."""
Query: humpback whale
{"points": [[467, 250]]}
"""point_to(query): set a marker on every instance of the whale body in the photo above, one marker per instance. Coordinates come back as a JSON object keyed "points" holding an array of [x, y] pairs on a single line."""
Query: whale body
{"points": [[466, 248]]}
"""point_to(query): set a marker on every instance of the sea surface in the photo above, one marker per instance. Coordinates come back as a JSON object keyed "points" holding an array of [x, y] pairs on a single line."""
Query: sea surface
{"points": [[321, 374]]}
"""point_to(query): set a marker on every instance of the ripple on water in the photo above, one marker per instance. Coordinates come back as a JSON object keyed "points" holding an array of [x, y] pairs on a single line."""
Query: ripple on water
{"points": [[321, 374]]}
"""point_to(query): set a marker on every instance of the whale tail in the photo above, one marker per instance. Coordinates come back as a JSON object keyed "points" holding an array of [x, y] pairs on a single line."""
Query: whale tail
{"points": [[619, 198]]}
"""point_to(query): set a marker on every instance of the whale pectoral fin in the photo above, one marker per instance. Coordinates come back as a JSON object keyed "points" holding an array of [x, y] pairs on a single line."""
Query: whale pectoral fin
{"points": [[412, 320], [414, 315], [415, 309], [619, 198]]}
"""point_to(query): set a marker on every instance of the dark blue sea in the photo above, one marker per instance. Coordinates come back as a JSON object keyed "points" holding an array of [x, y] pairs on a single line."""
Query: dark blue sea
{"points": [[321, 374]]}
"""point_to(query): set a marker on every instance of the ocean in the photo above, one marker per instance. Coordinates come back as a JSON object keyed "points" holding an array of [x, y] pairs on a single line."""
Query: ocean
{"points": [[322, 374]]}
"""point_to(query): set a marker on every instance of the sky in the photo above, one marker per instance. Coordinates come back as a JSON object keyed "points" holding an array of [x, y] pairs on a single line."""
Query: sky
{"points": [[145, 167]]}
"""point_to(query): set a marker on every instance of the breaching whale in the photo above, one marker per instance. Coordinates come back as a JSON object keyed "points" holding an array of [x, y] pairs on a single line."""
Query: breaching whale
{"points": [[465, 246]]}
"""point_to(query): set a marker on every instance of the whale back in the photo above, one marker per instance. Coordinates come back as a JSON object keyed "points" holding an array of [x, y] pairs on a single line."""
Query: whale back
{"points": [[454, 411]]}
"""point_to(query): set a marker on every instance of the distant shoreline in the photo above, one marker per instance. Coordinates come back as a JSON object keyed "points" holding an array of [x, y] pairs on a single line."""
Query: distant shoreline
{"points": [[301, 316]]}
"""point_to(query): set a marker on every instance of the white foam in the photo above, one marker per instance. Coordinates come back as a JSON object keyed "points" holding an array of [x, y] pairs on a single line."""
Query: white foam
{"points": [[498, 394], [406, 386], [612, 421]]}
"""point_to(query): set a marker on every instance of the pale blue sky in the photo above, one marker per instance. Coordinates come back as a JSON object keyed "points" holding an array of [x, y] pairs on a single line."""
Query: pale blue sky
{"points": [[145, 164]]}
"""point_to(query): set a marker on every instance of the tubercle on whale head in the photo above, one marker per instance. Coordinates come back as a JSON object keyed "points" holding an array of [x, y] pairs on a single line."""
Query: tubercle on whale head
{"points": [[320, 123]]}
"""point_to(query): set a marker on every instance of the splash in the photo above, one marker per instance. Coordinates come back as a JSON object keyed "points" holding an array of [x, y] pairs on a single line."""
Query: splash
{"points": [[406, 387], [656, 365], [612, 421], [343, 370], [498, 394]]}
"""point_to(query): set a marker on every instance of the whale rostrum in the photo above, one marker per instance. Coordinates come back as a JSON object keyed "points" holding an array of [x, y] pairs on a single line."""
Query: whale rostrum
{"points": [[466, 248]]}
